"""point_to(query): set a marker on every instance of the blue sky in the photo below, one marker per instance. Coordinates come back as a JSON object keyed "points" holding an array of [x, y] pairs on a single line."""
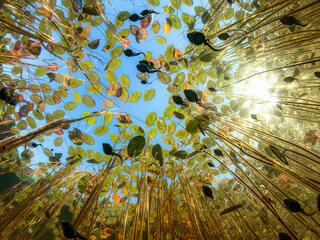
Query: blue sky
{"points": [[138, 110]]}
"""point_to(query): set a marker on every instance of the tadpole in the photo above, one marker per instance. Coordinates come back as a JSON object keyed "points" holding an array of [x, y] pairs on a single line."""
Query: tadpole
{"points": [[290, 20], [70, 232], [146, 67], [295, 207], [135, 17], [144, 82], [198, 38], [147, 12], [129, 53], [207, 191], [108, 150], [284, 236], [178, 100]]}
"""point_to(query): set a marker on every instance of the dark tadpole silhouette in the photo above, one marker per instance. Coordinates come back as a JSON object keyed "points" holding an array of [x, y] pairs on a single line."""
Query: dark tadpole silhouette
{"points": [[144, 82], [129, 53], [147, 12], [178, 100], [284, 236], [198, 38], [108, 150], [146, 67], [290, 20], [207, 191], [135, 17], [70, 232], [295, 207]]}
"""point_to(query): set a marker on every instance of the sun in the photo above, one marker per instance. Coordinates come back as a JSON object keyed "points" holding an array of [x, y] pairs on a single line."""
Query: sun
{"points": [[258, 91]]}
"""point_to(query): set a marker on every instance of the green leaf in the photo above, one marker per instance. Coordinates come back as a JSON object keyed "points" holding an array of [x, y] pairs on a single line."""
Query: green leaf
{"points": [[125, 81], [114, 138], [138, 130], [175, 3], [168, 9], [182, 134], [187, 2], [86, 66], [91, 120], [111, 77], [157, 153], [161, 40], [113, 64], [116, 52], [107, 117], [40, 71], [228, 14], [176, 24], [149, 94], [155, 27], [168, 112], [95, 88], [77, 97], [58, 114], [161, 125], [192, 126], [152, 133], [168, 55], [87, 139], [167, 139], [188, 20], [150, 119], [179, 78], [208, 57], [135, 96], [154, 3], [171, 128], [70, 106], [31, 122], [88, 101], [101, 130], [136, 146], [164, 77]]}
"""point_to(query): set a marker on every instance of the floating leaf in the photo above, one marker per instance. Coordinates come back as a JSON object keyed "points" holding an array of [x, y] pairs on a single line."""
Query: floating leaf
{"points": [[167, 26], [116, 198], [161, 40], [88, 101], [155, 27], [94, 44], [150, 119], [149, 94], [135, 96], [157, 153], [136, 146]]}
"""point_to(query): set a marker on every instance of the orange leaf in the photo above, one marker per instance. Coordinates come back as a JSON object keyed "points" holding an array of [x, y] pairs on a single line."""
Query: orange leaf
{"points": [[125, 41], [177, 54], [167, 26], [116, 198], [107, 103]]}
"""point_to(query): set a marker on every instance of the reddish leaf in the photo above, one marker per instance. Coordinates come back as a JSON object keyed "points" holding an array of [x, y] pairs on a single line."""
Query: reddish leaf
{"points": [[116, 198], [53, 67], [58, 131]]}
